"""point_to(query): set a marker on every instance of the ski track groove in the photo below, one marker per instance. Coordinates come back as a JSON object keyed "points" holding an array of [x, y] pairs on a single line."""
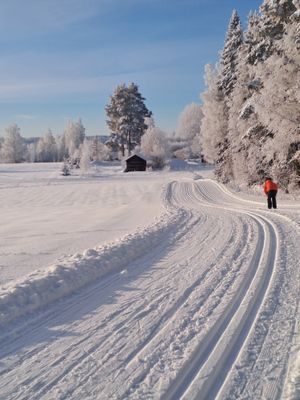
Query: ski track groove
{"points": [[171, 314]]}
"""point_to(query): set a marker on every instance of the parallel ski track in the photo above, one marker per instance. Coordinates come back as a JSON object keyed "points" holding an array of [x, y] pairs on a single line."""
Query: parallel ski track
{"points": [[209, 346], [205, 373]]}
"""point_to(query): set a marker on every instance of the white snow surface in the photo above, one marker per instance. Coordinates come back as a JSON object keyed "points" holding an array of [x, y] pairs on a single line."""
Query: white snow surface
{"points": [[151, 285]]}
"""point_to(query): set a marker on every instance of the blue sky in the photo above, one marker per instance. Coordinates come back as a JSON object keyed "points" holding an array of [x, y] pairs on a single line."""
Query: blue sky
{"points": [[62, 59]]}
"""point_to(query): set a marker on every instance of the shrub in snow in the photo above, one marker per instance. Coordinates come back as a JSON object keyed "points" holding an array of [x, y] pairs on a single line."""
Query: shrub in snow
{"points": [[65, 171]]}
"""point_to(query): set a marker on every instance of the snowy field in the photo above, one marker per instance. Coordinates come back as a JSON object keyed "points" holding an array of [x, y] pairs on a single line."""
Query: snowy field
{"points": [[162, 285]]}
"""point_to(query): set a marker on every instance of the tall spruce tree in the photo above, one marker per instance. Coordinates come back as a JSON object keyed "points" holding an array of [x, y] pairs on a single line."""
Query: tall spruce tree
{"points": [[229, 55], [276, 13], [227, 81], [258, 46], [126, 114]]}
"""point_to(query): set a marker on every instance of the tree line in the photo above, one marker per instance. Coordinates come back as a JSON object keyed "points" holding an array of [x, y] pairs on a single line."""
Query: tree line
{"points": [[251, 107], [248, 124], [132, 128]]}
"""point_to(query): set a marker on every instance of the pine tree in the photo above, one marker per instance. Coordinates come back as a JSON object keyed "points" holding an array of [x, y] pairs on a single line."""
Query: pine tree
{"points": [[229, 55], [265, 30], [126, 114], [258, 46], [227, 81]]}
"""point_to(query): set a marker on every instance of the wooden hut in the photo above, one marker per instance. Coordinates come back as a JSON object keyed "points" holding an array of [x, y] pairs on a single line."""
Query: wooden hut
{"points": [[135, 163]]}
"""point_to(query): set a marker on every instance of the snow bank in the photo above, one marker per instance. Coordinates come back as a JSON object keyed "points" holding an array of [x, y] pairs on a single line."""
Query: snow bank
{"points": [[45, 286]]}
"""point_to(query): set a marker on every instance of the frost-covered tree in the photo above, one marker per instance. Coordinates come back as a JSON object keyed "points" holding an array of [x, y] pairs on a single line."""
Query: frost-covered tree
{"points": [[155, 147], [85, 156], [262, 111], [229, 55], [100, 151], [74, 135], [62, 151], [12, 150], [31, 152], [213, 123], [227, 80], [126, 113], [276, 13], [258, 46], [46, 150], [189, 128], [278, 107]]}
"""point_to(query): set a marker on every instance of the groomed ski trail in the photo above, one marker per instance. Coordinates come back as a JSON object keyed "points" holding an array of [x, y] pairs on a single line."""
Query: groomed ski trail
{"points": [[209, 312]]}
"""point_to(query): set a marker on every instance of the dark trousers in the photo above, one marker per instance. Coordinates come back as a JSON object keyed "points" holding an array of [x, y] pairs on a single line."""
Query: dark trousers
{"points": [[272, 199]]}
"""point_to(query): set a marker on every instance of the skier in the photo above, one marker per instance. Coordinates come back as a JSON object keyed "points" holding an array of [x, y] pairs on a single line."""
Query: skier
{"points": [[270, 188]]}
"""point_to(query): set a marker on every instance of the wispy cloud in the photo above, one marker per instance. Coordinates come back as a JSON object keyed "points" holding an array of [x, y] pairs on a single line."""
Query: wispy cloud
{"points": [[45, 75], [26, 117], [35, 15]]}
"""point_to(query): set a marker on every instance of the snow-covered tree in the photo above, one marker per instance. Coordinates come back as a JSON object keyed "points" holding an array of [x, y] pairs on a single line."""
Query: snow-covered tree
{"points": [[12, 149], [31, 152], [258, 46], [189, 128], [100, 151], [46, 150], [227, 80], [85, 156], [62, 151], [214, 123], [276, 13], [261, 122], [74, 135], [126, 113], [229, 55], [155, 147]]}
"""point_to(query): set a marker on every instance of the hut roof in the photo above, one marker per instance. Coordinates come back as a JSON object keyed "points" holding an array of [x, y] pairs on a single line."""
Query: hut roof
{"points": [[135, 156]]}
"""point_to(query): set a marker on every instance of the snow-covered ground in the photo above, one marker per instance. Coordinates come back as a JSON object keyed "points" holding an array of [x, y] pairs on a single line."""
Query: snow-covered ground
{"points": [[162, 285]]}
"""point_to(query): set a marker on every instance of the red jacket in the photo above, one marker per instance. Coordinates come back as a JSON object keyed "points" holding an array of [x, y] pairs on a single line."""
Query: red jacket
{"points": [[270, 185]]}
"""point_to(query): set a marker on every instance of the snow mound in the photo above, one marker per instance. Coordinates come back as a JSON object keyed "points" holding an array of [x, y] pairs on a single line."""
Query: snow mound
{"points": [[45, 286]]}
